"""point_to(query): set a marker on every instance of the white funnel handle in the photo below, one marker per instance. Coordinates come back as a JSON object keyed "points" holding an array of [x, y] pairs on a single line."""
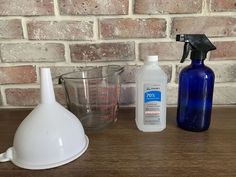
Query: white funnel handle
{"points": [[46, 86], [6, 156]]}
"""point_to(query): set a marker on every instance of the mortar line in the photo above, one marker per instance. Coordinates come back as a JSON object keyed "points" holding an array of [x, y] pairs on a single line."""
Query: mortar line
{"points": [[13, 64], [60, 18], [215, 62], [25, 86], [96, 29], [172, 84], [87, 18], [56, 8], [20, 86], [205, 11], [130, 84], [173, 74], [149, 40], [132, 16], [103, 63], [210, 6], [67, 53], [139, 63], [82, 64], [222, 39], [168, 28], [24, 28], [37, 74], [136, 51], [4, 99], [131, 7], [17, 107], [89, 41], [226, 84]]}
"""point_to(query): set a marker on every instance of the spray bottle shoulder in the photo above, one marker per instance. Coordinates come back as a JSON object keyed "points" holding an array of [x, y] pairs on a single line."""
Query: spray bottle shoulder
{"points": [[197, 69]]}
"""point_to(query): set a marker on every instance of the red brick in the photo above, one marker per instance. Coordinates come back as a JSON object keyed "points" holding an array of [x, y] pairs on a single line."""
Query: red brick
{"points": [[17, 74], [94, 7], [26, 7], [223, 5], [132, 28], [60, 30], [102, 52], [211, 26], [29, 96], [11, 29], [167, 6], [36, 52], [20, 97], [225, 51], [165, 50]]}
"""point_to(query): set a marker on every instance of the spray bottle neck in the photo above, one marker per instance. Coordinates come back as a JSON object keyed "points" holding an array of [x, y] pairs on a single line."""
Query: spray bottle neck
{"points": [[197, 62], [198, 54]]}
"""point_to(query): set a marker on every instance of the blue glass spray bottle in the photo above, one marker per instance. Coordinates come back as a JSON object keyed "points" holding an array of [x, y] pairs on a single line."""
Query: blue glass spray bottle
{"points": [[196, 84]]}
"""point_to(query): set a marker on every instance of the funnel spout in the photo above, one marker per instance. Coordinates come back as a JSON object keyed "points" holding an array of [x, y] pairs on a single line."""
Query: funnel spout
{"points": [[46, 86]]}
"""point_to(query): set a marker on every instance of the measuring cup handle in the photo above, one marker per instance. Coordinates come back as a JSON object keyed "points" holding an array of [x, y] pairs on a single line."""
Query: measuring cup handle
{"points": [[60, 80]]}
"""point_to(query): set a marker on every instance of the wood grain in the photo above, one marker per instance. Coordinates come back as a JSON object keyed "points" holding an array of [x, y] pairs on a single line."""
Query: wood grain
{"points": [[123, 151]]}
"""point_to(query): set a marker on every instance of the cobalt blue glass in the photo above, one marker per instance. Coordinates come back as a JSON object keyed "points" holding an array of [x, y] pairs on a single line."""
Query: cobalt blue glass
{"points": [[196, 85]]}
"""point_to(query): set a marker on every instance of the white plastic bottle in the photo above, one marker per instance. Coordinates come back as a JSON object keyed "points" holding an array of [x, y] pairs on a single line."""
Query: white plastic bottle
{"points": [[151, 82]]}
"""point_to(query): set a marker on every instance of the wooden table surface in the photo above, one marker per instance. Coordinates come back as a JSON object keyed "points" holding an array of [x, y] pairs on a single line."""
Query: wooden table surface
{"points": [[124, 151]]}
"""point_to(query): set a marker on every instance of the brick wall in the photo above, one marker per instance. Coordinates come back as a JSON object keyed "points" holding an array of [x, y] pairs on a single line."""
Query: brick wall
{"points": [[64, 35]]}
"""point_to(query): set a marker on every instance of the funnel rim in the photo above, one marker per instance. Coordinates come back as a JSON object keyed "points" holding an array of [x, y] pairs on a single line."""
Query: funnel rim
{"points": [[53, 165]]}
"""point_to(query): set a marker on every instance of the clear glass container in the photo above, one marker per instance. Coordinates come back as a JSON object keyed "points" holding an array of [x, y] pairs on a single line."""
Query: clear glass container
{"points": [[92, 94], [151, 83], [196, 85]]}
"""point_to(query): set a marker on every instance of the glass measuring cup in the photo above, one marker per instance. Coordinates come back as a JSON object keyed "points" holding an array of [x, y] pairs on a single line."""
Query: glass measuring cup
{"points": [[92, 94]]}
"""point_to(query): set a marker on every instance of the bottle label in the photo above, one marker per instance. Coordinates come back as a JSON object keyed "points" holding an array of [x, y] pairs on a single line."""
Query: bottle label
{"points": [[152, 104]]}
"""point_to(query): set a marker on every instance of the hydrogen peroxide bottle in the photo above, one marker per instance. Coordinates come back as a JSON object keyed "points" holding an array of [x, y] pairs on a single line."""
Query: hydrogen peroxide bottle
{"points": [[151, 84], [196, 84]]}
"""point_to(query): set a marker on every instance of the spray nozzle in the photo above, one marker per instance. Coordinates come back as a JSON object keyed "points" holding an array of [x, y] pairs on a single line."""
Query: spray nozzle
{"points": [[199, 45]]}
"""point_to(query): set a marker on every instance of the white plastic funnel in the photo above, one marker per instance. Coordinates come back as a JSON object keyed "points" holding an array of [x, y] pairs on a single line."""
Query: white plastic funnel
{"points": [[49, 136]]}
